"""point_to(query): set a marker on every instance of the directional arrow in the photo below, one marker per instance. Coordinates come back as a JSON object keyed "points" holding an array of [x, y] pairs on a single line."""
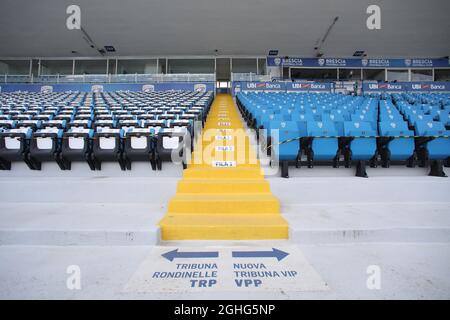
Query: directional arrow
{"points": [[275, 253], [175, 254]]}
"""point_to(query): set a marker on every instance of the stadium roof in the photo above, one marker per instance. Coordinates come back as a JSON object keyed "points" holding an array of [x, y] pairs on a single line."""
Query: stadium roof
{"points": [[234, 27]]}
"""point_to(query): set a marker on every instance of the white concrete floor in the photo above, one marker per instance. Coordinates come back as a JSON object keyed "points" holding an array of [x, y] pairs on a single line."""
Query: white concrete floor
{"points": [[408, 271], [106, 222]]}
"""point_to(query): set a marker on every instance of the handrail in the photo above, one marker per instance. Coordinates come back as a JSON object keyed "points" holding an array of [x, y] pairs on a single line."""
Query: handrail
{"points": [[250, 76], [108, 78]]}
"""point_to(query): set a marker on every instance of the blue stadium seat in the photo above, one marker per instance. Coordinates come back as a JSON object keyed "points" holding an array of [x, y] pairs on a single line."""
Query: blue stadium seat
{"points": [[444, 117], [393, 145], [324, 143], [286, 150], [337, 119], [433, 146], [360, 149]]}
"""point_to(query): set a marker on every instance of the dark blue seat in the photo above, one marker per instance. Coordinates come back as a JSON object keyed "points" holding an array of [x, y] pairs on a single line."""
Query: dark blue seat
{"points": [[139, 145], [46, 146], [77, 146], [14, 146], [108, 146]]}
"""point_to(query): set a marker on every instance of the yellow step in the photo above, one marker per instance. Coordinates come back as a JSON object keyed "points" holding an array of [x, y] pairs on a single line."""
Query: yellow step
{"points": [[219, 147], [232, 203], [216, 126], [211, 204], [225, 164], [204, 186], [225, 118], [248, 160], [224, 227], [237, 153], [224, 173]]}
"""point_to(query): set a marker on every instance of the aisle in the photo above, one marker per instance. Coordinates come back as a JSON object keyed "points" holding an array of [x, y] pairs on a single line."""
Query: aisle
{"points": [[223, 194]]}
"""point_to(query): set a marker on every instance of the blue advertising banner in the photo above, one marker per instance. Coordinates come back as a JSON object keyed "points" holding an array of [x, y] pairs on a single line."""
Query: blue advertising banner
{"points": [[407, 86], [357, 62], [239, 86], [309, 86], [429, 86], [263, 86], [281, 86], [166, 86]]}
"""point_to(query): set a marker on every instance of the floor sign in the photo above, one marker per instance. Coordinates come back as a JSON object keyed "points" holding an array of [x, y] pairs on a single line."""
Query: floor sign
{"points": [[195, 269]]}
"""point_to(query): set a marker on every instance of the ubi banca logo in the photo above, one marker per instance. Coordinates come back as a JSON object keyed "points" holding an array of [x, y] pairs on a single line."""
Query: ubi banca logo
{"points": [[394, 86], [437, 87], [273, 86], [317, 86], [255, 85]]}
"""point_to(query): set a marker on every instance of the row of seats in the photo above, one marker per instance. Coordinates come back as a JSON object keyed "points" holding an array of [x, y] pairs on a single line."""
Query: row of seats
{"points": [[332, 128], [95, 127]]}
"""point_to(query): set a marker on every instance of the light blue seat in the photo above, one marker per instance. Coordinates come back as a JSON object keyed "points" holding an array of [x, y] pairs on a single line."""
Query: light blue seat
{"points": [[287, 130], [324, 145], [337, 119], [361, 148], [390, 117], [444, 117], [397, 149], [433, 146], [420, 117], [365, 118], [305, 117], [344, 113], [438, 148]]}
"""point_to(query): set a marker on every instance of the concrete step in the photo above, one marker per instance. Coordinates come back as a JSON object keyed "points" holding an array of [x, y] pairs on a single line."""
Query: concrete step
{"points": [[65, 223]]}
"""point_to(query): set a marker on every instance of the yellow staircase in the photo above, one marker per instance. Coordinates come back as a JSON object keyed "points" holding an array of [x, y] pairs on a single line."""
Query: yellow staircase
{"points": [[223, 194]]}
